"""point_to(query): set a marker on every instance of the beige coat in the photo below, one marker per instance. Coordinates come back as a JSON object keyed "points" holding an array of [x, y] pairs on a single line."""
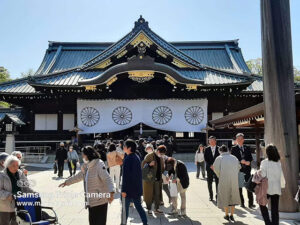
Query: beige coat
{"points": [[6, 191], [111, 158], [99, 183], [226, 167], [148, 187]]}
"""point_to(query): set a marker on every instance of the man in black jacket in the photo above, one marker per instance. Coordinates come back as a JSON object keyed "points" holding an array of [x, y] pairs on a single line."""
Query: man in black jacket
{"points": [[178, 173], [243, 153], [61, 158], [210, 154]]}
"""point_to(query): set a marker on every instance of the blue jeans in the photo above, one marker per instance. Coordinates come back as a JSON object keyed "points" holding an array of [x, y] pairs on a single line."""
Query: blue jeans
{"points": [[138, 205]]}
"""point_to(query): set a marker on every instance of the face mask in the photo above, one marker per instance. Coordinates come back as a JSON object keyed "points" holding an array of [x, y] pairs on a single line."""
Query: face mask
{"points": [[85, 161]]}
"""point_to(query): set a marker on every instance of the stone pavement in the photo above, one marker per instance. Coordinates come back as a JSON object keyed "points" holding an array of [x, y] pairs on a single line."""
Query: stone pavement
{"points": [[69, 205]]}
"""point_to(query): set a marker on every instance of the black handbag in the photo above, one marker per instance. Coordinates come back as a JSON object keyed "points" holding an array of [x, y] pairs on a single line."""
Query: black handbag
{"points": [[249, 185], [55, 168], [148, 173]]}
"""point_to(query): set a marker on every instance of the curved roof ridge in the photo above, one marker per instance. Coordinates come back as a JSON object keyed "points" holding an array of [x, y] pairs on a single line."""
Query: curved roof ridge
{"points": [[140, 26]]}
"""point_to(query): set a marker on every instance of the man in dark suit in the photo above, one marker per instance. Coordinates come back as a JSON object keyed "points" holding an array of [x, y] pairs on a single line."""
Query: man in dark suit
{"points": [[243, 153], [210, 154], [60, 158]]}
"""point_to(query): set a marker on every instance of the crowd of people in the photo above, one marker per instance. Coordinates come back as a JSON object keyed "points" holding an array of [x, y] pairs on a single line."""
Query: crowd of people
{"points": [[231, 171], [141, 170], [11, 171]]}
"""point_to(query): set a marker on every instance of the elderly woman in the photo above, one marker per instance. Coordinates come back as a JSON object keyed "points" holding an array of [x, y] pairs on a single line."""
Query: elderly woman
{"points": [[98, 186], [152, 189], [73, 159], [19, 155], [3, 156], [10, 177], [226, 167]]}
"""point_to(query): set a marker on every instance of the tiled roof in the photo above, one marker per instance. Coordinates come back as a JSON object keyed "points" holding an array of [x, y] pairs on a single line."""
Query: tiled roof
{"points": [[66, 55], [67, 79], [71, 79], [14, 118], [211, 77], [257, 85], [217, 58], [17, 86], [66, 63], [12, 112], [67, 59]]}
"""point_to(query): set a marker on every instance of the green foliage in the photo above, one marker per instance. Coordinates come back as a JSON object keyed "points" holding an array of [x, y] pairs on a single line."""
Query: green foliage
{"points": [[4, 104], [255, 66], [4, 75], [297, 78], [29, 72], [296, 73]]}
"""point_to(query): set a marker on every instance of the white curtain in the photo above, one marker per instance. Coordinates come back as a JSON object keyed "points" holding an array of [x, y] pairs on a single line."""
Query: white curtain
{"points": [[180, 115]]}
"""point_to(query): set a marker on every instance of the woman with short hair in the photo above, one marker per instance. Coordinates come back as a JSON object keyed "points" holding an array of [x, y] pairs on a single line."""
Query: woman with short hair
{"points": [[10, 179], [3, 156], [73, 159], [114, 161], [19, 155], [226, 167], [271, 169], [98, 186]]}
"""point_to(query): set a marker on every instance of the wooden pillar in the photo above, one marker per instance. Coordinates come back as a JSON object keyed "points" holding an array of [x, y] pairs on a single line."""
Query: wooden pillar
{"points": [[257, 144], [60, 121], [279, 94]]}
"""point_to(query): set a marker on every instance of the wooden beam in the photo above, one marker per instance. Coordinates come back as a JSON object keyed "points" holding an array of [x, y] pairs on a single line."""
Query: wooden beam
{"points": [[279, 96]]}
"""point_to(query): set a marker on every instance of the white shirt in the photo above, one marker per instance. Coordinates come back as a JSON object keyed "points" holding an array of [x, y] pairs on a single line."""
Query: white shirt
{"points": [[241, 149], [273, 171], [199, 157], [213, 150]]}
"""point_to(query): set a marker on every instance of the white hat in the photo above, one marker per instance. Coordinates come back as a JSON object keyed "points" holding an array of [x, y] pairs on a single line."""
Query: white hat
{"points": [[61, 144], [149, 146]]}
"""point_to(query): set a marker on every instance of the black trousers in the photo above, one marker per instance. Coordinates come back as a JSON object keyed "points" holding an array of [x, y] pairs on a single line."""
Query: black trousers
{"points": [[200, 165], [60, 167], [98, 215], [249, 193], [210, 178], [274, 211], [72, 172]]}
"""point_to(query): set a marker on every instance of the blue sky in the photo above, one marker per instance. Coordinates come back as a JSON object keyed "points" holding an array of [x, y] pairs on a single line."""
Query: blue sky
{"points": [[28, 25]]}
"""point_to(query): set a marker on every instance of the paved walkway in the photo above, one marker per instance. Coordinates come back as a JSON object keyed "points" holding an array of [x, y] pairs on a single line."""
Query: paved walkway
{"points": [[69, 205]]}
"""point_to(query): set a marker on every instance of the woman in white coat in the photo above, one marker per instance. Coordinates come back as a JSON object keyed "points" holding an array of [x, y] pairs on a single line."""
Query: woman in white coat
{"points": [[226, 167], [271, 169]]}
